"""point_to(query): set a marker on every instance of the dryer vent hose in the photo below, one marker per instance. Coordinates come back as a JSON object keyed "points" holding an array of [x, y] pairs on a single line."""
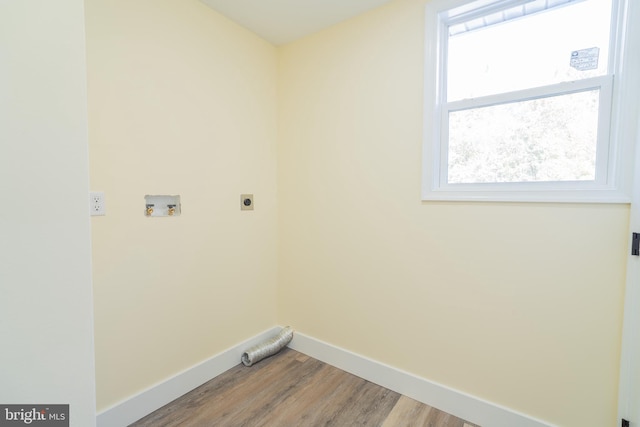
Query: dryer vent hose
{"points": [[267, 348]]}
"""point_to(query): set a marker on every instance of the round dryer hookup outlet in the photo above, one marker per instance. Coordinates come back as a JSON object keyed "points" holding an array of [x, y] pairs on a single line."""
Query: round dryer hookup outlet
{"points": [[246, 202]]}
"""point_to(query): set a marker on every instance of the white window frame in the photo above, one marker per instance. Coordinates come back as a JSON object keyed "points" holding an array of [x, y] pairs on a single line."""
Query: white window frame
{"points": [[618, 116]]}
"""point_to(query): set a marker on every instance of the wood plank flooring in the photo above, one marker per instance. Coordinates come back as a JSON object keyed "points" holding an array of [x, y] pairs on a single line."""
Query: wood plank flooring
{"points": [[291, 389]]}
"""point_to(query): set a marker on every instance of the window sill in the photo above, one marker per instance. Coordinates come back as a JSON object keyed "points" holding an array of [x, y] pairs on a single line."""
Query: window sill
{"points": [[578, 196]]}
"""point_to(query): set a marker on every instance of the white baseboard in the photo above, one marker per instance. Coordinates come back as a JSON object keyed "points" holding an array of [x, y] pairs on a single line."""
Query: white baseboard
{"points": [[462, 405], [155, 397]]}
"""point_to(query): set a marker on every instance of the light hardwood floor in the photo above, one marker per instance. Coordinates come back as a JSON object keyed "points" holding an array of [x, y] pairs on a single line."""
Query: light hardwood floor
{"points": [[291, 390]]}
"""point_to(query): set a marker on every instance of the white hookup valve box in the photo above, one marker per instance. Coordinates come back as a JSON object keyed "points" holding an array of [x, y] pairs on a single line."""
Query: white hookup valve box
{"points": [[162, 205]]}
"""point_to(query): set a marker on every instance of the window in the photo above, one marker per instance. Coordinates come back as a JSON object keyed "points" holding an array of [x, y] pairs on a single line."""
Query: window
{"points": [[520, 101]]}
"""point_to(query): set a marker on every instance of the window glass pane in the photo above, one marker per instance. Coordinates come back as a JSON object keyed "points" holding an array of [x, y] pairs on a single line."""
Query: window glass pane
{"points": [[545, 139], [564, 43]]}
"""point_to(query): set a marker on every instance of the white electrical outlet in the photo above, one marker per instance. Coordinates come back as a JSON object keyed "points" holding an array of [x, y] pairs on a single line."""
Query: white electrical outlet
{"points": [[96, 203]]}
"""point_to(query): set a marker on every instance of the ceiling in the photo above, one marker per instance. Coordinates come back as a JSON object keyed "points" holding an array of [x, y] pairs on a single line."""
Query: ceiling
{"points": [[283, 21]]}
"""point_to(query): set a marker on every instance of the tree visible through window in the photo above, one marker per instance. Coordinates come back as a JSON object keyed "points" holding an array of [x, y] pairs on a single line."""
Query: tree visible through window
{"points": [[524, 96], [544, 139]]}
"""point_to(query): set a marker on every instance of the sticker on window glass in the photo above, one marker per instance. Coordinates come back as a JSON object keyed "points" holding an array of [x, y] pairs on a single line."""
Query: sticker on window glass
{"points": [[585, 59]]}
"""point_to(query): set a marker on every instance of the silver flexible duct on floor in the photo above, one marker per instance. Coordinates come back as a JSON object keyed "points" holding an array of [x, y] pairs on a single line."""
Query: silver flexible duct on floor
{"points": [[267, 348]]}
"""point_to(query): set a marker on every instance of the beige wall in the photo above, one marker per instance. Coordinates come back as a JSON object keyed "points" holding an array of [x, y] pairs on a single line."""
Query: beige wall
{"points": [[518, 304], [181, 101]]}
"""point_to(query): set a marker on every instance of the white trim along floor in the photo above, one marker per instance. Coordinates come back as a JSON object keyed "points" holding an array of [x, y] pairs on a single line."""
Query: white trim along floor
{"points": [[433, 394]]}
